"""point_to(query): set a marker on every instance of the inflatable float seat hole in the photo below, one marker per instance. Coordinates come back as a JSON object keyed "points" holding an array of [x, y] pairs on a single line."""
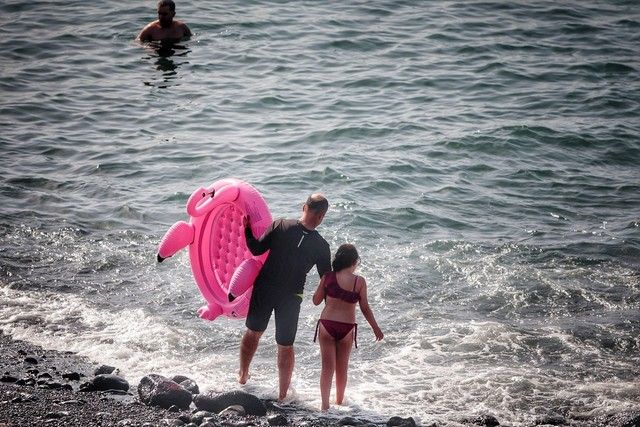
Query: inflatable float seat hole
{"points": [[228, 247]]}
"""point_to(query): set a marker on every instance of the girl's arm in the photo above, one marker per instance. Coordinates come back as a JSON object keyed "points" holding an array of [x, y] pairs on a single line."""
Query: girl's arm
{"points": [[319, 295], [367, 312]]}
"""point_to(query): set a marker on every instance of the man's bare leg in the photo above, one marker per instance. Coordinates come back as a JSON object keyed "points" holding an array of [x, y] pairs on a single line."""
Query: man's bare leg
{"points": [[286, 360], [248, 348]]}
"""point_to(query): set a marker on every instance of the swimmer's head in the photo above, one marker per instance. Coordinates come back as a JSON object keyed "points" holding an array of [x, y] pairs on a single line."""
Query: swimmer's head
{"points": [[166, 12]]}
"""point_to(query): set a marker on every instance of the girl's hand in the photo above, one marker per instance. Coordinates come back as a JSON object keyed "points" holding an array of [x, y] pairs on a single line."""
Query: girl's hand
{"points": [[379, 334]]}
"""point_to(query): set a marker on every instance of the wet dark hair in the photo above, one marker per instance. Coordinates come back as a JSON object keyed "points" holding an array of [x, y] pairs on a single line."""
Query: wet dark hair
{"points": [[170, 3], [345, 257], [317, 203]]}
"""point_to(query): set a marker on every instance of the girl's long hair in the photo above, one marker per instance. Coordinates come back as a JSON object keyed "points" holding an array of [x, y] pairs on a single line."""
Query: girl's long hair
{"points": [[345, 257]]}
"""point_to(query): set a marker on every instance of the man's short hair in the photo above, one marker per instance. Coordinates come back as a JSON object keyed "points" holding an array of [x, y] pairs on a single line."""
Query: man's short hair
{"points": [[317, 203], [169, 3]]}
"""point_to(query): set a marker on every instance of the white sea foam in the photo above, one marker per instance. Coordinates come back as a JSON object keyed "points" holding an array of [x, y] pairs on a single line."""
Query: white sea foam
{"points": [[130, 339], [435, 372], [437, 361]]}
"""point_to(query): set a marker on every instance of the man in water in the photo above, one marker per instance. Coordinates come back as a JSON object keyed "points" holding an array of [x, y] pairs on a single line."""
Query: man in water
{"points": [[294, 248], [165, 28]]}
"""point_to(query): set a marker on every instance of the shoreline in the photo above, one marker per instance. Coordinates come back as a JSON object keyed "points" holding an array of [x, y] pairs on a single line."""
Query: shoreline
{"points": [[39, 386], [48, 387]]}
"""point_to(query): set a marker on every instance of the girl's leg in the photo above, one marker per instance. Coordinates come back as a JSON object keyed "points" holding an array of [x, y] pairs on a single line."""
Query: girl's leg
{"points": [[343, 351], [328, 356]]}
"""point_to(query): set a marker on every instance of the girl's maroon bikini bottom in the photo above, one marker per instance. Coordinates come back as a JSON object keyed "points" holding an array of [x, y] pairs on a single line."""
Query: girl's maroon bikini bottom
{"points": [[337, 330]]}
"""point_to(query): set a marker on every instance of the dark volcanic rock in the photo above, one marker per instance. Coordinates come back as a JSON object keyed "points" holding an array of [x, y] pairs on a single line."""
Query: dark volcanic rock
{"points": [[554, 420], [56, 415], [109, 382], [217, 402], [104, 369], [24, 405], [350, 421], [278, 420], [26, 381], [187, 383], [156, 390], [401, 422], [236, 410], [624, 419], [8, 379], [190, 385], [199, 416], [484, 420], [71, 376]]}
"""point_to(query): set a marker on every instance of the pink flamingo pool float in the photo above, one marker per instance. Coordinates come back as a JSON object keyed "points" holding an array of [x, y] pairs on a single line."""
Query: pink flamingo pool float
{"points": [[222, 265]]}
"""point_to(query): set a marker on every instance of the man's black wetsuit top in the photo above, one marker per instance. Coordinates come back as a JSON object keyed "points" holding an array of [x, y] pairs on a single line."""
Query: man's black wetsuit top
{"points": [[294, 250]]}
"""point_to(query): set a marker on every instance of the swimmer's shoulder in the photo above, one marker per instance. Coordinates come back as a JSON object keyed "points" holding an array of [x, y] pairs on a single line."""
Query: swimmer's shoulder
{"points": [[146, 34], [186, 32]]}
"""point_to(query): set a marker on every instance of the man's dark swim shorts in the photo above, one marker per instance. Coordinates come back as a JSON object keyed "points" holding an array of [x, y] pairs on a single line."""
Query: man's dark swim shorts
{"points": [[286, 305]]}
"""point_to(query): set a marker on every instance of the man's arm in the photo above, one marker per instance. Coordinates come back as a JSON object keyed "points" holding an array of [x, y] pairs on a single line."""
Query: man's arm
{"points": [[324, 260], [145, 34], [261, 245], [186, 31]]}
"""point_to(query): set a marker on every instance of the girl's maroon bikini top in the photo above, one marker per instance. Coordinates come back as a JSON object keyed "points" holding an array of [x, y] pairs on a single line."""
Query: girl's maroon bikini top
{"points": [[335, 291]]}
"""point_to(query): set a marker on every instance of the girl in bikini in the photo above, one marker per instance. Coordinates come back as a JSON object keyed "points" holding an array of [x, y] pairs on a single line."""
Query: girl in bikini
{"points": [[340, 289]]}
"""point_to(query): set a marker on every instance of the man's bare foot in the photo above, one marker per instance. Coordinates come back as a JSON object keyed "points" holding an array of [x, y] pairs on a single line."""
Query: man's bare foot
{"points": [[243, 377]]}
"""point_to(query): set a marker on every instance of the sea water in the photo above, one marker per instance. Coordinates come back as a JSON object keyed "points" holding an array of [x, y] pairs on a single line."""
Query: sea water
{"points": [[483, 156]]}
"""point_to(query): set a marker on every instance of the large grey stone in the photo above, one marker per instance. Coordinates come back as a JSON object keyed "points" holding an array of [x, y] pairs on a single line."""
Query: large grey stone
{"points": [[350, 421], [105, 382], [401, 422], [104, 369], [157, 390], [217, 402], [110, 382], [187, 383]]}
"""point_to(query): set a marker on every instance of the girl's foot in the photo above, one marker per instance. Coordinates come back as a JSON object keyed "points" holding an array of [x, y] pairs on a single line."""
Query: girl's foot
{"points": [[243, 377]]}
